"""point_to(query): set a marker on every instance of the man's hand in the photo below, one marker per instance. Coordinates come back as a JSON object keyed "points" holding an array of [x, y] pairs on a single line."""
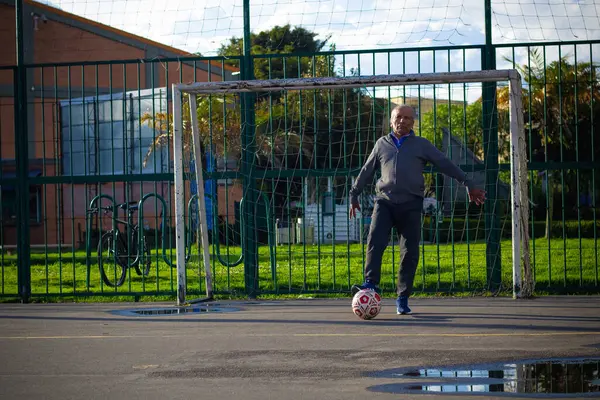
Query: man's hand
{"points": [[477, 195], [353, 208]]}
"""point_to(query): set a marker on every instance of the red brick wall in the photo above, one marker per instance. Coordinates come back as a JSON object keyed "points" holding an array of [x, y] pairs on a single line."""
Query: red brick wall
{"points": [[54, 42], [8, 49], [7, 128]]}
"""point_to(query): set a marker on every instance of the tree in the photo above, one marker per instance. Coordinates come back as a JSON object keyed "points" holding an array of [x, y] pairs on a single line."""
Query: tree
{"points": [[464, 120], [309, 129], [561, 104], [218, 123], [283, 40], [461, 120]]}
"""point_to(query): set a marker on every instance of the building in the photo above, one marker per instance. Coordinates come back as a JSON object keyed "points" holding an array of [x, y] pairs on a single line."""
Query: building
{"points": [[75, 62]]}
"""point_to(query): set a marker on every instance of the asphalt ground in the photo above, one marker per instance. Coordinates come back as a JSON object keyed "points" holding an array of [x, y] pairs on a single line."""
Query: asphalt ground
{"points": [[288, 349]]}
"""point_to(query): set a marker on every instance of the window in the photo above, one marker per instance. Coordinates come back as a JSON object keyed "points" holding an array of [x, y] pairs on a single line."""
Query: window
{"points": [[104, 135], [8, 200]]}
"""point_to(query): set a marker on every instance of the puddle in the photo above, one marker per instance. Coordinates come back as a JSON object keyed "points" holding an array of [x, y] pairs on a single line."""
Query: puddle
{"points": [[536, 378], [258, 303], [174, 311], [203, 308]]}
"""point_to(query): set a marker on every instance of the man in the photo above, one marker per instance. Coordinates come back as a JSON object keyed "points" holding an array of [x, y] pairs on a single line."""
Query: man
{"points": [[401, 156]]}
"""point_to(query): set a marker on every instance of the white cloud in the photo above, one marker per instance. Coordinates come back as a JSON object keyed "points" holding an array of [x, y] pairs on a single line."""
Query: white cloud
{"points": [[355, 24], [200, 25], [542, 20]]}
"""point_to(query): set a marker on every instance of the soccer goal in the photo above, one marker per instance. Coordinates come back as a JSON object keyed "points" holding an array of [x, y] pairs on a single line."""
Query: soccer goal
{"points": [[186, 98]]}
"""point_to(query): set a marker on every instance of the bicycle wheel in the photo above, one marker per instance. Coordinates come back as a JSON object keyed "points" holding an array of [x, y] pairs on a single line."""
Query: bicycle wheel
{"points": [[110, 260], [145, 251]]}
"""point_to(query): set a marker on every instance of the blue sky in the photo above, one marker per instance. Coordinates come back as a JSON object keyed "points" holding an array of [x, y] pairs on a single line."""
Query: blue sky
{"points": [[202, 25]]}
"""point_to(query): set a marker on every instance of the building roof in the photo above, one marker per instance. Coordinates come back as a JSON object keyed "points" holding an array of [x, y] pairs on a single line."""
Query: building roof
{"points": [[114, 33]]}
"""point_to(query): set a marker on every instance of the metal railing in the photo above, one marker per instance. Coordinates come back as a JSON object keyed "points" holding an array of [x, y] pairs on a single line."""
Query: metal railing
{"points": [[102, 130]]}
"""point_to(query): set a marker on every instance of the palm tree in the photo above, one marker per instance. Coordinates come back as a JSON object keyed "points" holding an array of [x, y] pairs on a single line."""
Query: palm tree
{"points": [[296, 130], [218, 126]]}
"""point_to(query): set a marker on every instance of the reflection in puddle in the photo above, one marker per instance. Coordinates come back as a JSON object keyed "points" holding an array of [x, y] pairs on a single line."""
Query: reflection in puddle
{"points": [[175, 311], [163, 311], [571, 377]]}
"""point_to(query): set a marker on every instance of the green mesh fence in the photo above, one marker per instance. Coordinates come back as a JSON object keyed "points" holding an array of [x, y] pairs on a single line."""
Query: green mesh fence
{"points": [[99, 134]]}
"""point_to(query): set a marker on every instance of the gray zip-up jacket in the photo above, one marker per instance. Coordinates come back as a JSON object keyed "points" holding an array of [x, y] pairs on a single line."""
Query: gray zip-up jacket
{"points": [[402, 169]]}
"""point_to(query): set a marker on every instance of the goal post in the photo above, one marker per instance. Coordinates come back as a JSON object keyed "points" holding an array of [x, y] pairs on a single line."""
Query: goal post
{"points": [[180, 210], [522, 284]]}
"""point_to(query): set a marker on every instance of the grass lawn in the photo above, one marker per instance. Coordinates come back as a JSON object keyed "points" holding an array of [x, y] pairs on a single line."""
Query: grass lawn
{"points": [[457, 269]]}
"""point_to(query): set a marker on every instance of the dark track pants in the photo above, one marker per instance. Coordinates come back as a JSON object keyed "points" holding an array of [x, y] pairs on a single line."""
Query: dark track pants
{"points": [[406, 218]]}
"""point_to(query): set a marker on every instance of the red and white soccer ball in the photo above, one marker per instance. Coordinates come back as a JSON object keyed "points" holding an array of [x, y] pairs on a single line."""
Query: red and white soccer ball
{"points": [[366, 304]]}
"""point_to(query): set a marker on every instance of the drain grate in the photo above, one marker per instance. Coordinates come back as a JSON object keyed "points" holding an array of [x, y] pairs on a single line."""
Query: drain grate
{"points": [[537, 378], [175, 311]]}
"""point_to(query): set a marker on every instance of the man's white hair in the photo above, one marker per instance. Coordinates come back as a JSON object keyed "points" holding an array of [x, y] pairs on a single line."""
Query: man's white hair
{"points": [[399, 107]]}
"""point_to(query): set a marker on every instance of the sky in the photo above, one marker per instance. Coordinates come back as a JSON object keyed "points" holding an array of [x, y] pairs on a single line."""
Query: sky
{"points": [[203, 25]]}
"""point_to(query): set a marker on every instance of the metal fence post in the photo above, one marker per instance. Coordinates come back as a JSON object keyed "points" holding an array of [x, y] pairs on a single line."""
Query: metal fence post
{"points": [[250, 244], [22, 162], [490, 149]]}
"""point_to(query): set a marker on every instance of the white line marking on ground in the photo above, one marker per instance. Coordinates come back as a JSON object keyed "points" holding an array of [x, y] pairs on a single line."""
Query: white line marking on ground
{"points": [[474, 334]]}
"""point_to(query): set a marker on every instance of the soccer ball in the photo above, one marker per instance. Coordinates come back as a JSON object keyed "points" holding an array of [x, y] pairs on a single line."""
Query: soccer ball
{"points": [[366, 304]]}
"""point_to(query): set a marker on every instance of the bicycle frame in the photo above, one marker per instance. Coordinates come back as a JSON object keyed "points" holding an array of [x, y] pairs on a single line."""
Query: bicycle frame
{"points": [[129, 243]]}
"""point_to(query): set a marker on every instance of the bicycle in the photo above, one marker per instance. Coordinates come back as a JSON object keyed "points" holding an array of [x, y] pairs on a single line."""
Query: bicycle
{"points": [[122, 249]]}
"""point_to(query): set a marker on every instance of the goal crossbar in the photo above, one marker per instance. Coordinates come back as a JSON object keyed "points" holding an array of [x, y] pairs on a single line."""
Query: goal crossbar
{"points": [[269, 85], [517, 159]]}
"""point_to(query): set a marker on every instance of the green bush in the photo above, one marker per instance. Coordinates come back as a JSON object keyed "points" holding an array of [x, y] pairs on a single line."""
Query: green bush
{"points": [[476, 229], [571, 229]]}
